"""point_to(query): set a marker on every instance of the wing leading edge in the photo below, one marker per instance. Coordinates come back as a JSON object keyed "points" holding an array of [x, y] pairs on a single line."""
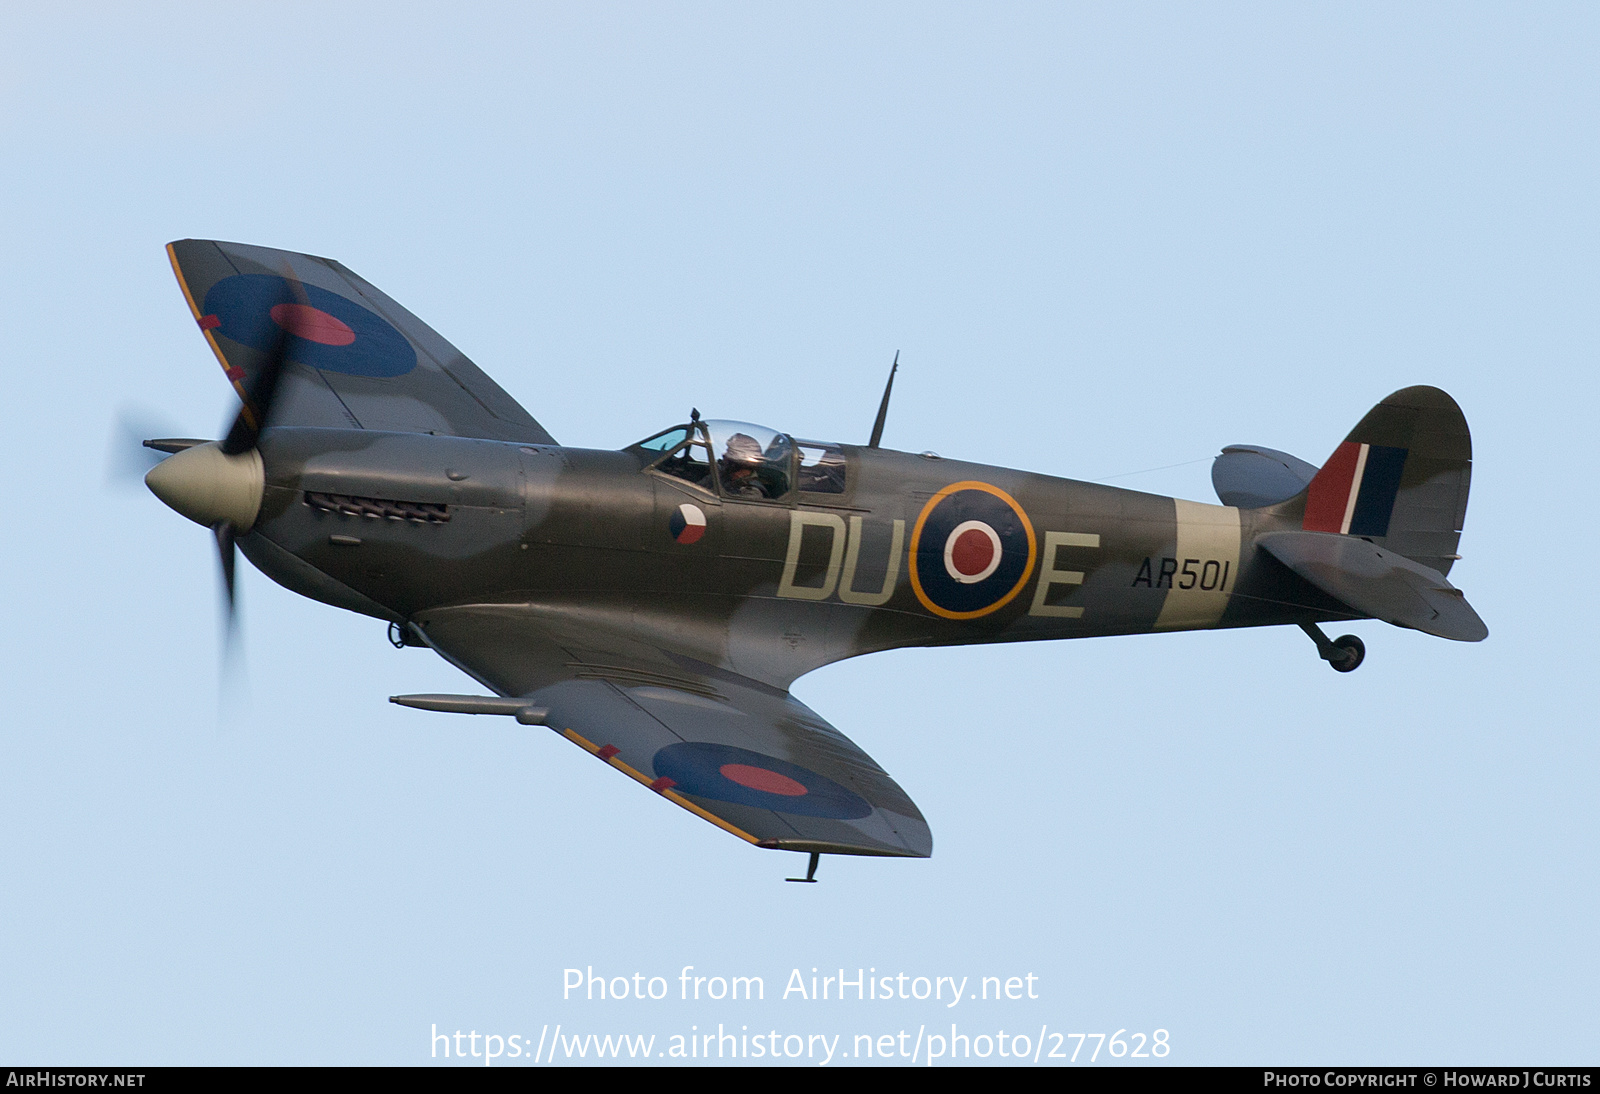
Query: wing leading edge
{"points": [[749, 758], [361, 361]]}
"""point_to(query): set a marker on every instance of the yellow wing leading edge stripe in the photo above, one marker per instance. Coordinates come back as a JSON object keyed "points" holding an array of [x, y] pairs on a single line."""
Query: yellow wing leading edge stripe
{"points": [[194, 310], [666, 792]]}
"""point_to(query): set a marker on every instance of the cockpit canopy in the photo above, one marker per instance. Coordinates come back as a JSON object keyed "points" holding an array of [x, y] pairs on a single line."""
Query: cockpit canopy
{"points": [[741, 460]]}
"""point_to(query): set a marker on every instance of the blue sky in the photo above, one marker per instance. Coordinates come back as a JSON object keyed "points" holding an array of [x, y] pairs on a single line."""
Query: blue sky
{"points": [[1102, 238]]}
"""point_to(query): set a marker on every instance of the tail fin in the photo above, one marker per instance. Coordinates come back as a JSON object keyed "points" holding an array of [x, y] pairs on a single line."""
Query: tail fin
{"points": [[1400, 479]]}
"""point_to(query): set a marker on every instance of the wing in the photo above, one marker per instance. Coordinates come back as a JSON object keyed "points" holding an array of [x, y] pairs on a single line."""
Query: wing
{"points": [[749, 758], [359, 360]]}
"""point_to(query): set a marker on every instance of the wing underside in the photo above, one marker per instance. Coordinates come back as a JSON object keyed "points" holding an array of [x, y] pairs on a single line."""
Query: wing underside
{"points": [[749, 758], [358, 360]]}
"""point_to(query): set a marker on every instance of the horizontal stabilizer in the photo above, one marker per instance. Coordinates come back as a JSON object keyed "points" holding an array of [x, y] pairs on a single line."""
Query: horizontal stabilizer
{"points": [[1378, 583], [1248, 476]]}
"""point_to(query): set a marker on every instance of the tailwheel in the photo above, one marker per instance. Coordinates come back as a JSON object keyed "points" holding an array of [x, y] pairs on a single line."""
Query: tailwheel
{"points": [[1353, 652], [1344, 653]]}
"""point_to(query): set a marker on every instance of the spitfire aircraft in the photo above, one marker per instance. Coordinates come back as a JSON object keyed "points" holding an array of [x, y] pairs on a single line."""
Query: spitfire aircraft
{"points": [[654, 604]]}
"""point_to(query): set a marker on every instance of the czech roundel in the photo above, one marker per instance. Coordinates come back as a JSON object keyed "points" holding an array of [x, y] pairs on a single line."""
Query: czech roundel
{"points": [[728, 774], [688, 523], [971, 551], [330, 333]]}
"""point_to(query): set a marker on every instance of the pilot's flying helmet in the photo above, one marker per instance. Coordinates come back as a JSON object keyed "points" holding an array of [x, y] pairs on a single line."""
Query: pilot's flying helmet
{"points": [[743, 449]]}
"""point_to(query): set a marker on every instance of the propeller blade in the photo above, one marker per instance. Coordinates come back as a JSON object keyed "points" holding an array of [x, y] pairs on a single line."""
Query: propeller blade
{"points": [[227, 551], [233, 693], [257, 410], [245, 434]]}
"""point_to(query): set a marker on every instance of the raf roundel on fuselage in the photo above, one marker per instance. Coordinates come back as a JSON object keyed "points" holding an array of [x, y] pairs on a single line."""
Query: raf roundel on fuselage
{"points": [[972, 550]]}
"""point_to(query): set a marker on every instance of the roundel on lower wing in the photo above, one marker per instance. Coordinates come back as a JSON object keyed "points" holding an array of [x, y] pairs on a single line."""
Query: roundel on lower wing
{"points": [[328, 332], [725, 773], [688, 523], [972, 550]]}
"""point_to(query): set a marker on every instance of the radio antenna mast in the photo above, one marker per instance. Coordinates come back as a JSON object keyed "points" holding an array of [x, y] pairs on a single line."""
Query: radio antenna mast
{"points": [[883, 407]]}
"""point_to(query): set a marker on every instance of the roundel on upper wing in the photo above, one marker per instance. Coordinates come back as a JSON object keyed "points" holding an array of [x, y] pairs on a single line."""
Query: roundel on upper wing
{"points": [[971, 551], [327, 331], [725, 773]]}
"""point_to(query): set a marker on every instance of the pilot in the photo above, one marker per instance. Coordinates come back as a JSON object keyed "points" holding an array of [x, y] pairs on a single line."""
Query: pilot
{"points": [[741, 463]]}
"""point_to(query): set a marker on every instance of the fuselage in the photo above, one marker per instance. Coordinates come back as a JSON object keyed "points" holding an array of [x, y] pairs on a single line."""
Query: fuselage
{"points": [[906, 551]]}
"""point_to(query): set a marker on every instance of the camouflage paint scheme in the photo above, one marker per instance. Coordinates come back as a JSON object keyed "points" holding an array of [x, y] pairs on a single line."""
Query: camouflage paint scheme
{"points": [[403, 483]]}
